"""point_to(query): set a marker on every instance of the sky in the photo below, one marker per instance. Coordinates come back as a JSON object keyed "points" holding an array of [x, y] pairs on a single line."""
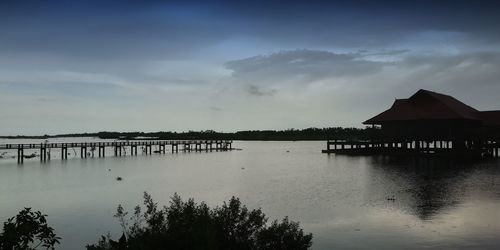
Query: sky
{"points": [[152, 65]]}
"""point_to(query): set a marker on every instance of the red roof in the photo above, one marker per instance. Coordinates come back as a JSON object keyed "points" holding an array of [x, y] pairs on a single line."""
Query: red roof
{"points": [[428, 105]]}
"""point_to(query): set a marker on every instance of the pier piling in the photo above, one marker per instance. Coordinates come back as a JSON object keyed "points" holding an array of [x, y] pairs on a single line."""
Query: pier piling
{"points": [[118, 146]]}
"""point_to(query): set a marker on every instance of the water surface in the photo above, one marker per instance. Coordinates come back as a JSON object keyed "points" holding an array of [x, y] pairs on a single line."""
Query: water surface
{"points": [[346, 202]]}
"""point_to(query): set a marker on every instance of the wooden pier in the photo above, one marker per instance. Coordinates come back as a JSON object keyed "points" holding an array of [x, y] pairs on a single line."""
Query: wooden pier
{"points": [[471, 148], [428, 124], [117, 146]]}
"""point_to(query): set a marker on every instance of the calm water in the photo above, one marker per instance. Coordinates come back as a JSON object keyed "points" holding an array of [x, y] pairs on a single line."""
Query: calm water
{"points": [[341, 200]]}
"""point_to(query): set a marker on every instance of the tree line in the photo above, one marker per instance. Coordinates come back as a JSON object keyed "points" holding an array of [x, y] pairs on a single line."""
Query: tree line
{"points": [[329, 133], [264, 135]]}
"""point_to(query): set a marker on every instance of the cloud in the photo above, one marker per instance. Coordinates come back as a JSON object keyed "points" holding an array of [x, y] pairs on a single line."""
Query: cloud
{"points": [[216, 109], [357, 86], [302, 66], [472, 76], [383, 52], [255, 90]]}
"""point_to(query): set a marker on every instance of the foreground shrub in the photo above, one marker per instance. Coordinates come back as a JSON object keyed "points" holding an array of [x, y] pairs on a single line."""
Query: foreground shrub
{"points": [[27, 230], [188, 225]]}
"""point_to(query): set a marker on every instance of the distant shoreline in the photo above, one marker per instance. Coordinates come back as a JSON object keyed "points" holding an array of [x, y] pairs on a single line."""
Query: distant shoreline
{"points": [[309, 134]]}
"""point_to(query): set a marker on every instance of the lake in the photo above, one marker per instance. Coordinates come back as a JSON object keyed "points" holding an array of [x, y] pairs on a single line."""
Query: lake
{"points": [[345, 201]]}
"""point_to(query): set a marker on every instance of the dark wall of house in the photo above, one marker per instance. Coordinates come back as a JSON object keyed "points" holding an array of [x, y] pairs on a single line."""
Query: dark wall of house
{"points": [[432, 130], [491, 132]]}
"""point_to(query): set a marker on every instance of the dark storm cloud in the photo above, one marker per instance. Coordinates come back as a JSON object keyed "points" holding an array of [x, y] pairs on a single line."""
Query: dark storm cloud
{"points": [[107, 30], [363, 23], [179, 29]]}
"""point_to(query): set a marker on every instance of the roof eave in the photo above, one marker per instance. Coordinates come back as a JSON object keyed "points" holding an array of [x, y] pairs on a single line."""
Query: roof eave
{"points": [[370, 122]]}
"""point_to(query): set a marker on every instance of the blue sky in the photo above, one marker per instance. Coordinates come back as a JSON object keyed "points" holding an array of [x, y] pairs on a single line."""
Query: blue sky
{"points": [[87, 66]]}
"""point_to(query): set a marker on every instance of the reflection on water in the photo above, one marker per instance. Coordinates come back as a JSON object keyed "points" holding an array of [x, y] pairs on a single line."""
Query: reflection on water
{"points": [[346, 202], [429, 185], [433, 186]]}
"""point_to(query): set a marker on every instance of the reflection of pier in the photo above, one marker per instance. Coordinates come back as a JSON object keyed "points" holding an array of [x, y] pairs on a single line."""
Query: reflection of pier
{"points": [[427, 187], [118, 146]]}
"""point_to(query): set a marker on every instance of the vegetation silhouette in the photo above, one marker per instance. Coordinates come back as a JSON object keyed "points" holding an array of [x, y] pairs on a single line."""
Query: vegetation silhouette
{"points": [[27, 230], [263, 135], [189, 225]]}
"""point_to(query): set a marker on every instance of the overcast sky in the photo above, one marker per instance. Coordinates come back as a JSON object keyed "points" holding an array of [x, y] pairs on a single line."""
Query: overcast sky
{"points": [[88, 66]]}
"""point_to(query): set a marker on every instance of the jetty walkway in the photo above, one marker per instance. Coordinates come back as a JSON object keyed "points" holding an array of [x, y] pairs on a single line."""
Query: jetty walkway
{"points": [[479, 149], [117, 146]]}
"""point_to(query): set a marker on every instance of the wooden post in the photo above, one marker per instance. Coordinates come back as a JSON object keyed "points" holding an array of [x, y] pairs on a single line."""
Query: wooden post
{"points": [[43, 153], [22, 154]]}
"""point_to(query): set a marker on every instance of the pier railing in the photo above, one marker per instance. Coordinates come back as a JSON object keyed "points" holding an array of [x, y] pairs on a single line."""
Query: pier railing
{"points": [[414, 147], [187, 146], [108, 144]]}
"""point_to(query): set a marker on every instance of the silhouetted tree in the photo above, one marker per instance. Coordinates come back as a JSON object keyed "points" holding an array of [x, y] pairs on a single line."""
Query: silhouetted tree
{"points": [[27, 230], [188, 225]]}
